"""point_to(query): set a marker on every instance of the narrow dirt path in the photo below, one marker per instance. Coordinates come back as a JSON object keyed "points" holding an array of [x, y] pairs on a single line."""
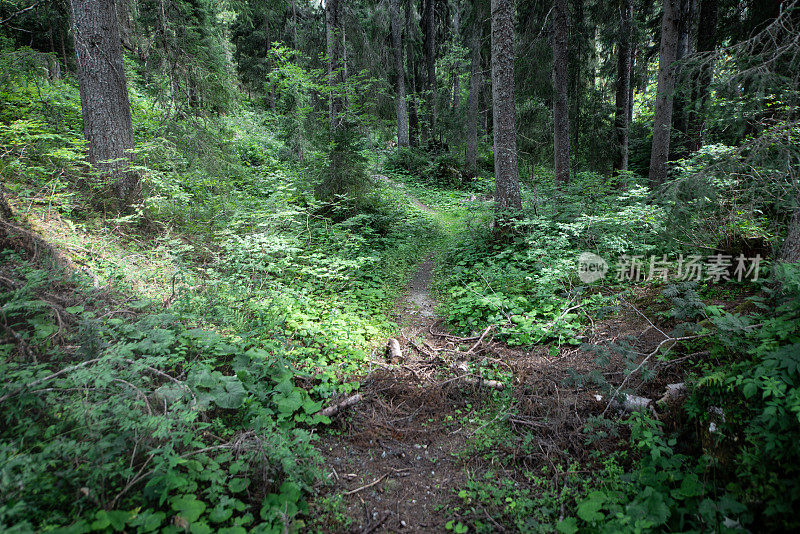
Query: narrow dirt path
{"points": [[397, 445], [395, 458]]}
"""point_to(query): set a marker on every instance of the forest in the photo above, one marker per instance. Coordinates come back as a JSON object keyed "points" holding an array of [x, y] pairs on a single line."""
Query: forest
{"points": [[364, 266]]}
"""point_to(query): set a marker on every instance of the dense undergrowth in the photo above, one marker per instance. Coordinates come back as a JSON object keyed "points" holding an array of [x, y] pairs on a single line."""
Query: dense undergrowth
{"points": [[173, 382], [170, 377]]}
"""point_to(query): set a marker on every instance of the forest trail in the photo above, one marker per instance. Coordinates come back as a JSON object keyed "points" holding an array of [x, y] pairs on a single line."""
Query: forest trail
{"points": [[395, 456], [429, 425]]}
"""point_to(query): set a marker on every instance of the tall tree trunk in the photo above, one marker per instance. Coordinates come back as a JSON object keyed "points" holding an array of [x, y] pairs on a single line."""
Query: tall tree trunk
{"points": [[623, 100], [333, 25], [560, 86], [706, 43], [506, 175], [576, 63], [104, 95], [456, 38], [430, 62], [413, 113], [471, 141], [294, 30], [662, 115], [680, 116], [400, 96]]}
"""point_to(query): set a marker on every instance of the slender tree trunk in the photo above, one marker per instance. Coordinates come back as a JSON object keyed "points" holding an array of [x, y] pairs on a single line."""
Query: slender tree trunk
{"points": [[456, 37], [413, 114], [5, 210], [623, 102], [560, 85], [104, 95], [791, 247], [400, 96], [576, 63], [488, 111], [430, 62], [706, 43], [506, 175], [335, 68], [662, 115], [294, 28], [679, 112], [471, 141]]}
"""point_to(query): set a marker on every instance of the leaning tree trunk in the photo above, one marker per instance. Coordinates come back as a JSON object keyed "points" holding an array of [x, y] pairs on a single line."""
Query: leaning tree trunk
{"points": [[471, 141], [623, 101], [430, 63], [400, 96], [506, 174], [103, 89], [662, 115], [706, 42], [560, 86]]}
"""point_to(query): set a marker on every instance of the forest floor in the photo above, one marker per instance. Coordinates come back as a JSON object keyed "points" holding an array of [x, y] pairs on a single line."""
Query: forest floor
{"points": [[429, 426]]}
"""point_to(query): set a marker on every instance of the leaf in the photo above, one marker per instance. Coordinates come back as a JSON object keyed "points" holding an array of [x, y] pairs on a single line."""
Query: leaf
{"points": [[189, 507], [238, 484], [232, 396], [199, 527], [568, 525], [589, 508]]}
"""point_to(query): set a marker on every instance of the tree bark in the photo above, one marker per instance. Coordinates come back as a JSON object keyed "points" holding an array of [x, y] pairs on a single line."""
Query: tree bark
{"points": [[400, 96], [680, 118], [560, 86], [430, 62], [103, 89], [413, 115], [334, 46], [506, 175], [471, 140], [706, 43], [623, 101], [456, 37], [790, 252], [662, 115]]}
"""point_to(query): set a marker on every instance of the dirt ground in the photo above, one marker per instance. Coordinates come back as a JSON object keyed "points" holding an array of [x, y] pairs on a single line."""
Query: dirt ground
{"points": [[398, 457]]}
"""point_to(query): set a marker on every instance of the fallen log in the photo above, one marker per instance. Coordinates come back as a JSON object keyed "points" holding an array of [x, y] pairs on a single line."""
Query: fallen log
{"points": [[628, 403], [673, 392], [333, 409], [495, 384], [394, 352]]}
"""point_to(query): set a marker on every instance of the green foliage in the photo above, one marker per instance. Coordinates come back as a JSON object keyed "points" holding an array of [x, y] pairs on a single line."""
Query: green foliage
{"points": [[137, 419], [666, 491], [759, 395]]}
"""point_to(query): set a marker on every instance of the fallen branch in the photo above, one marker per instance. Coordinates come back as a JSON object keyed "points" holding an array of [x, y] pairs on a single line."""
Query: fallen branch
{"points": [[480, 339], [673, 392], [362, 488], [646, 359], [333, 409], [29, 385]]}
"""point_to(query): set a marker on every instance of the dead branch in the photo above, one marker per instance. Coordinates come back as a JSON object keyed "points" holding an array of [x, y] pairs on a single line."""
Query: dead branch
{"points": [[333, 409]]}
